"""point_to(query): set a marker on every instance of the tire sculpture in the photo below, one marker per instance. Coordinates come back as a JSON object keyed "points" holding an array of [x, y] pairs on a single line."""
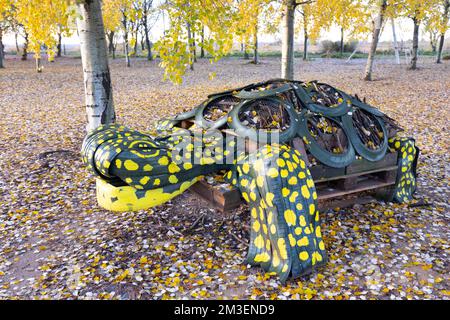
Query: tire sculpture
{"points": [[137, 171]]}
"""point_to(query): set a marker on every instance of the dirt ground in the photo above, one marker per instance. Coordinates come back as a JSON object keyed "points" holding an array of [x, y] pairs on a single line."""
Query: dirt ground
{"points": [[55, 242]]}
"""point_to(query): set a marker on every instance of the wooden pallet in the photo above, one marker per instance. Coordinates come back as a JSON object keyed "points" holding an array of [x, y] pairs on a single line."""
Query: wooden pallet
{"points": [[333, 186], [336, 187]]}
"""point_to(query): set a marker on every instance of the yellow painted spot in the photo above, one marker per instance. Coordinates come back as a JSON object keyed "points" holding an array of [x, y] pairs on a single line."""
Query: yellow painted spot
{"points": [[270, 217], [130, 165], [293, 196], [259, 181], [244, 182], [173, 179], [164, 161], [301, 175], [302, 164], [252, 196], [285, 192], [321, 245], [302, 221], [290, 217], [275, 259], [298, 231], [284, 173], [397, 144], [144, 180], [282, 247], [292, 181], [272, 172], [157, 182], [173, 168], [281, 163], [303, 242], [291, 240], [261, 214], [254, 213], [259, 242], [312, 209], [262, 257], [305, 192], [245, 196], [310, 183], [129, 180], [269, 198], [273, 229], [318, 232], [285, 268], [307, 230], [256, 226], [188, 166], [264, 227], [245, 167], [303, 255], [299, 206]]}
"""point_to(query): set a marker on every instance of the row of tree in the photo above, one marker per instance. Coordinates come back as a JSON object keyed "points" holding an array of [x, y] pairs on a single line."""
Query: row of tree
{"points": [[209, 24], [214, 26]]}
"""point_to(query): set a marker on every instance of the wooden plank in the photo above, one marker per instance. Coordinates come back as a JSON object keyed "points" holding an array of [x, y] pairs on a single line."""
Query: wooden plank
{"points": [[362, 186], [390, 168], [362, 165], [323, 173]]}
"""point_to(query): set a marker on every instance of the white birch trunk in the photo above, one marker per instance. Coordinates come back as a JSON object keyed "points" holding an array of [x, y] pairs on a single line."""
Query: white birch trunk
{"points": [[375, 36], [94, 57], [394, 37], [287, 40]]}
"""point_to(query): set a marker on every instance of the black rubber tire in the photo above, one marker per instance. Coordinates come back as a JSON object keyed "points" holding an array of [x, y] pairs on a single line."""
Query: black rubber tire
{"points": [[248, 95], [252, 134], [328, 158], [366, 107], [337, 111], [361, 149], [206, 124]]}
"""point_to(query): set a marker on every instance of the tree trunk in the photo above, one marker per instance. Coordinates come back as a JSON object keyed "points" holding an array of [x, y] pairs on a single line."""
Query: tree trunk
{"points": [[202, 50], [58, 46], [191, 57], [305, 46], [394, 37], [136, 38], [38, 64], [125, 39], [287, 40], [442, 38], [110, 36], [1, 50], [246, 56], [194, 47], [415, 49], [341, 50], [433, 42], [94, 57], [17, 43], [255, 46], [147, 39], [375, 37], [441, 47], [25, 48]]}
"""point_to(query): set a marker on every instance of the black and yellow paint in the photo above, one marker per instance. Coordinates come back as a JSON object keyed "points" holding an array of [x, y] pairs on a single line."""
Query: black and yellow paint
{"points": [[285, 237], [408, 153]]}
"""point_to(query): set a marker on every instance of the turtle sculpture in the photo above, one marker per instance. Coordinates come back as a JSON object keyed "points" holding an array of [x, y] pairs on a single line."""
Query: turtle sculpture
{"points": [[138, 170]]}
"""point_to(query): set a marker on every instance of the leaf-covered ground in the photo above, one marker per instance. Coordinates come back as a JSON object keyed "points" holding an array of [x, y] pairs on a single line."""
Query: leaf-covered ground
{"points": [[55, 242]]}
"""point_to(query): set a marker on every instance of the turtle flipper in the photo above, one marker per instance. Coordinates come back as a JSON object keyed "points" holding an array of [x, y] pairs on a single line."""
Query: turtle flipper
{"points": [[285, 236]]}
